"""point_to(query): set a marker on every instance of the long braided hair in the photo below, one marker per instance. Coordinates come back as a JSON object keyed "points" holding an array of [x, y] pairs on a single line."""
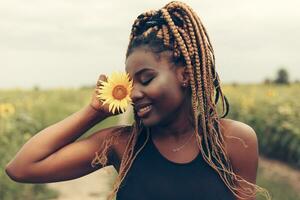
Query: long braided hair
{"points": [[177, 28]]}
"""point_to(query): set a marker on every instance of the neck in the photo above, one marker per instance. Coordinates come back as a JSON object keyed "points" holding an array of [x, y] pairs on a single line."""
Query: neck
{"points": [[177, 127], [172, 132]]}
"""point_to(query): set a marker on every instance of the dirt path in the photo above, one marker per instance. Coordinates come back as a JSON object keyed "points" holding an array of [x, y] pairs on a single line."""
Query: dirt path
{"points": [[96, 186], [274, 168]]}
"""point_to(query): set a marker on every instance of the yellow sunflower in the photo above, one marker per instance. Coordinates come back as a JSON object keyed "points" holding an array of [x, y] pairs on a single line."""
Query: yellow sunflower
{"points": [[116, 91], [6, 110]]}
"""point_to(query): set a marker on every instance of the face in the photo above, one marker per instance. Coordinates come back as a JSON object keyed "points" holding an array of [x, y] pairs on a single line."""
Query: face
{"points": [[157, 93]]}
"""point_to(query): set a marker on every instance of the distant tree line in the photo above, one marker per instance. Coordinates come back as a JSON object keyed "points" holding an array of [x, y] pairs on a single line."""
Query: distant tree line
{"points": [[282, 77]]}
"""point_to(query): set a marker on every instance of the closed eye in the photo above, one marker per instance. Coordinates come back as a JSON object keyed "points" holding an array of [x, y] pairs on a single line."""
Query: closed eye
{"points": [[147, 81]]}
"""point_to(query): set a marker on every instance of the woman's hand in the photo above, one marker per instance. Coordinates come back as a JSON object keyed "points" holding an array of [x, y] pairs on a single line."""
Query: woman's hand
{"points": [[97, 104]]}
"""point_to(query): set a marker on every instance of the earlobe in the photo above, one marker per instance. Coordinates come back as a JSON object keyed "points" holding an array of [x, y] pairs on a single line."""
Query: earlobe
{"points": [[183, 76]]}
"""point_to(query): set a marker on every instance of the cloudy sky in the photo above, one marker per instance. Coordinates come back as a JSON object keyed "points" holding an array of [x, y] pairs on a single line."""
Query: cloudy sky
{"points": [[68, 43]]}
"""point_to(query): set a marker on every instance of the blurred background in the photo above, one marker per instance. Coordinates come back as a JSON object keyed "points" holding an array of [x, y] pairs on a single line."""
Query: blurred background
{"points": [[52, 53]]}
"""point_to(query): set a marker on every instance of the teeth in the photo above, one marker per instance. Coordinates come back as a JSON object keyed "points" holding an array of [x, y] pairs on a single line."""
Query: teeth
{"points": [[145, 109]]}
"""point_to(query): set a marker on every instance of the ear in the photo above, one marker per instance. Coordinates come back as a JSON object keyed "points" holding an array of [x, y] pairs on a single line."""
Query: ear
{"points": [[183, 76]]}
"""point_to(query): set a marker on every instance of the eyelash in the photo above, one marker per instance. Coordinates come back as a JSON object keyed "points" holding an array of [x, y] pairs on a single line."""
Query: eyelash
{"points": [[147, 82]]}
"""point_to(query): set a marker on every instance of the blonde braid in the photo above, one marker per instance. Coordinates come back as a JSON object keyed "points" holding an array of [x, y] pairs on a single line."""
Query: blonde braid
{"points": [[184, 51], [211, 51], [189, 39], [166, 36], [150, 30], [201, 92], [160, 34]]}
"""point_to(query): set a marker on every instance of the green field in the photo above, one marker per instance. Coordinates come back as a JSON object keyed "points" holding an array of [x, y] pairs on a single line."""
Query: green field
{"points": [[273, 112]]}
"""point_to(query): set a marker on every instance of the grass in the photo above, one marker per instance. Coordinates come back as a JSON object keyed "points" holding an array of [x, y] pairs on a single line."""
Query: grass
{"points": [[278, 187]]}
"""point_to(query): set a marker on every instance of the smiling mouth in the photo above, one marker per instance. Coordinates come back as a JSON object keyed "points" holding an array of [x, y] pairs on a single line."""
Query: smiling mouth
{"points": [[143, 112]]}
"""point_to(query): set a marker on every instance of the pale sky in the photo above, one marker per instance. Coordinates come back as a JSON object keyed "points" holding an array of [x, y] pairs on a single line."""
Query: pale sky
{"points": [[69, 43]]}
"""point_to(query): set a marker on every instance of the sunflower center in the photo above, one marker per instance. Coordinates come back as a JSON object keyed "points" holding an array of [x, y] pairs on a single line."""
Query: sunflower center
{"points": [[119, 92]]}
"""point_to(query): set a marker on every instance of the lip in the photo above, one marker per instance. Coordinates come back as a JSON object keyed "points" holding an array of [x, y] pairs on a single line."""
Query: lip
{"points": [[145, 113], [141, 105]]}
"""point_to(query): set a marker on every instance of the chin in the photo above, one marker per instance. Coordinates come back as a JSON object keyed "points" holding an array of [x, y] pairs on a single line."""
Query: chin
{"points": [[148, 122], [151, 122]]}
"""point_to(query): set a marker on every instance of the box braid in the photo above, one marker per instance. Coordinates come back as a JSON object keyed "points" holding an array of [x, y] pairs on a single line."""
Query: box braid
{"points": [[177, 28]]}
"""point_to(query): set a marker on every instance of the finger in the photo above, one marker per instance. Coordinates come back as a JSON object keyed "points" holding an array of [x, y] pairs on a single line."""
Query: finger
{"points": [[101, 78]]}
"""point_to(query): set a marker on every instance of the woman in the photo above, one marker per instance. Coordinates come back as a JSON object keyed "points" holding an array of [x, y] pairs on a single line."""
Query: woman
{"points": [[178, 146]]}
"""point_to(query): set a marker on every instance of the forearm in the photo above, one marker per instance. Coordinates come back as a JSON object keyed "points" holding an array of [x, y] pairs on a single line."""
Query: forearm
{"points": [[58, 135]]}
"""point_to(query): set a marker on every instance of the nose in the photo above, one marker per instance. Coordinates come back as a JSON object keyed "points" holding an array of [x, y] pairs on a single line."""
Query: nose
{"points": [[136, 94]]}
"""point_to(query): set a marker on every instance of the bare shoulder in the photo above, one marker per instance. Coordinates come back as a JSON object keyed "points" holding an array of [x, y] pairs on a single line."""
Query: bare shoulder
{"points": [[233, 129], [242, 147]]}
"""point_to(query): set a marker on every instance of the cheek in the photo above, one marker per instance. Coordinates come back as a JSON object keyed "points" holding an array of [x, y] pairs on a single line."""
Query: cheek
{"points": [[165, 94], [162, 88], [170, 89]]}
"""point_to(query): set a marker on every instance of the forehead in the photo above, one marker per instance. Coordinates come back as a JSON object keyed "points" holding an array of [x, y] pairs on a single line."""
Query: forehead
{"points": [[145, 58]]}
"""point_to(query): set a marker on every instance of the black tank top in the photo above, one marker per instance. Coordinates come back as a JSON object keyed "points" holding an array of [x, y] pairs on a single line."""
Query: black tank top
{"points": [[153, 177]]}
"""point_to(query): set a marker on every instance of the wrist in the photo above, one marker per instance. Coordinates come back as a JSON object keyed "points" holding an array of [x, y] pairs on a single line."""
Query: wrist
{"points": [[94, 108]]}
